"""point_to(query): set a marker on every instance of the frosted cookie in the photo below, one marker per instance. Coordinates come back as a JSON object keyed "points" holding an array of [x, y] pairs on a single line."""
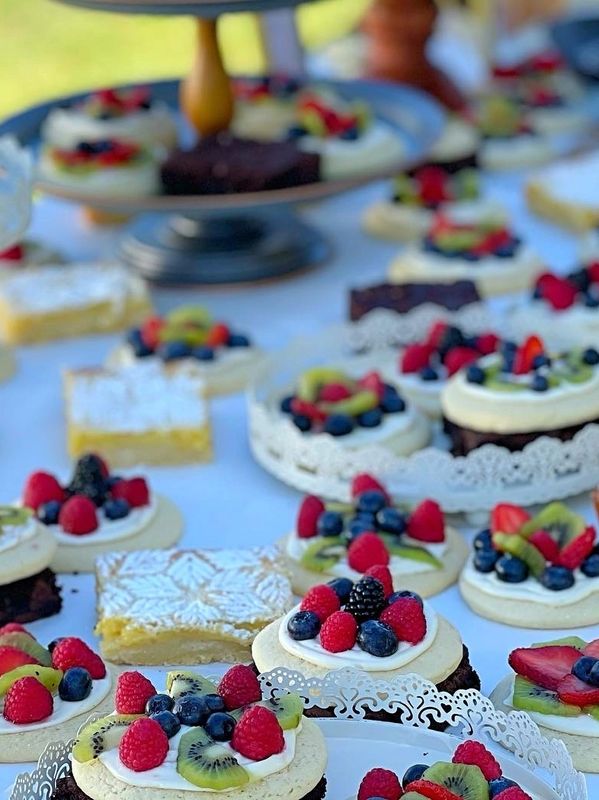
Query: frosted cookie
{"points": [[535, 572], [28, 589], [142, 414], [519, 394], [130, 115], [28, 253], [510, 139], [224, 358], [567, 192], [187, 606], [53, 302], [97, 511], [557, 684], [486, 252], [332, 540], [46, 693]]}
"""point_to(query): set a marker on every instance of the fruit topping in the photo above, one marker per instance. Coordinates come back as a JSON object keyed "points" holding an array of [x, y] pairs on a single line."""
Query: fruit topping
{"points": [[528, 696], [208, 765], [27, 701], [48, 677], [367, 550], [239, 686], [526, 354], [258, 734], [414, 358], [470, 241], [101, 735], [134, 491], [27, 644], [508, 518], [78, 516], [464, 780], [73, 652], [513, 793], [13, 657], [573, 691], [133, 690], [383, 575], [366, 599], [97, 154], [143, 745], [76, 684], [365, 483], [322, 600], [41, 487], [406, 619], [381, 783], [304, 625], [310, 510], [545, 666], [426, 523], [576, 551], [339, 632], [476, 754]]}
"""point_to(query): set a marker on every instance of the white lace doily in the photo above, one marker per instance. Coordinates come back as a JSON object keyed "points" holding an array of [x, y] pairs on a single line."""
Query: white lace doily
{"points": [[15, 191]]}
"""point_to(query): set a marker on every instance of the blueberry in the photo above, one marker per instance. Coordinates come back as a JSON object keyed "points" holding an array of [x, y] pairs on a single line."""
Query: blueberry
{"points": [[371, 502], [414, 773], [220, 726], [296, 132], [537, 294], [116, 509], [351, 134], [541, 361], [342, 587], [402, 596], [428, 374], [582, 668], [557, 578], [429, 246], [590, 566], [539, 383], [48, 512], [590, 356], [137, 344], [285, 404], [214, 702], [506, 250], [191, 709], [103, 146], [75, 685], [86, 147], [168, 722], [159, 702], [171, 351], [238, 340], [594, 675], [390, 520], [483, 540], [53, 643], [508, 347], [302, 422], [370, 419], [580, 278], [367, 518], [511, 569], [330, 523], [507, 364], [377, 638], [358, 526], [591, 301], [203, 353], [475, 374], [499, 785], [338, 425], [485, 560], [303, 625], [391, 402]]}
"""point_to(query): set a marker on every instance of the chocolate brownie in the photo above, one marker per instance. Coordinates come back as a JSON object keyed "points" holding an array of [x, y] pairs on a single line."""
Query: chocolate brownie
{"points": [[30, 598], [403, 297], [224, 165]]}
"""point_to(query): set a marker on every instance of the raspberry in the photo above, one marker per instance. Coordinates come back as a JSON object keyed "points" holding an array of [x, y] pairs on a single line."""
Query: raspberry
{"points": [[134, 490], [513, 793], [41, 487], [309, 511], [133, 690], [14, 627], [307, 409], [78, 516], [545, 544], [430, 790], [322, 600], [459, 357], [258, 734], [477, 754], [373, 382], [333, 393], [27, 700], [558, 292], [11, 658], [143, 746], [383, 575], [414, 358], [239, 686], [150, 332], [406, 617], [368, 550], [218, 335], [339, 632], [366, 483], [487, 343], [427, 522], [436, 334], [72, 652], [381, 783]]}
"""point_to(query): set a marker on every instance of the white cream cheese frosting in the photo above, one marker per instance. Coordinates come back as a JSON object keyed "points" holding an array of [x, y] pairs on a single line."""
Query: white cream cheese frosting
{"points": [[574, 181], [109, 530], [12, 536]]}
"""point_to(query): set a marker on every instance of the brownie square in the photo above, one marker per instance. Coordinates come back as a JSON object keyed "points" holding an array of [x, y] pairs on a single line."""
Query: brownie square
{"points": [[30, 598], [403, 297]]}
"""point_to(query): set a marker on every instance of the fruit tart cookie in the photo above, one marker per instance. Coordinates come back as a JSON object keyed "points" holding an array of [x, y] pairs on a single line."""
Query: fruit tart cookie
{"points": [[195, 738], [130, 115], [520, 393], [46, 693], [28, 589], [369, 625], [223, 357], [486, 252], [98, 511], [356, 410], [557, 684], [534, 572], [335, 540]]}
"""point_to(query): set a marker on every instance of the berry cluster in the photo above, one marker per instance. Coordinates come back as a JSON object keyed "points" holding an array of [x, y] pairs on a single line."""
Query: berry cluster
{"points": [[107, 104], [472, 772], [102, 153], [470, 242], [547, 62], [319, 116], [431, 186], [265, 87], [555, 547], [14, 253], [580, 287], [92, 493]]}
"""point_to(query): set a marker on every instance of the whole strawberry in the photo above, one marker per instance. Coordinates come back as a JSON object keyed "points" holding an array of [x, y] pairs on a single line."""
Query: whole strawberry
{"points": [[239, 686], [73, 652], [143, 746], [258, 734], [379, 782], [27, 701], [133, 690]]}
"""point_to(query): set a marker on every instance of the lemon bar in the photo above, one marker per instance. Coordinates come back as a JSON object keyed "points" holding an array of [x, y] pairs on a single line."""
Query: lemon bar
{"points": [[188, 606], [58, 301], [142, 414]]}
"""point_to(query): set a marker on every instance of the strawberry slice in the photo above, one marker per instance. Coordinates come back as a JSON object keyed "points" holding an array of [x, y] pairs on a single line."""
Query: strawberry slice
{"points": [[526, 354], [558, 292], [487, 343], [574, 553], [545, 666], [459, 357], [333, 393], [508, 518], [373, 382], [592, 649], [427, 522], [307, 409], [414, 358], [507, 72], [218, 335], [14, 253], [307, 517], [575, 692], [549, 61], [431, 790], [367, 483], [546, 545], [492, 242], [436, 334], [11, 658], [150, 331]]}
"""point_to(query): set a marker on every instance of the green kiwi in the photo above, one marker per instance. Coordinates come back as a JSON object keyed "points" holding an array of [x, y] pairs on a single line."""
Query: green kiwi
{"points": [[101, 735], [359, 403], [592, 711], [180, 683], [565, 641], [341, 508], [288, 709], [468, 184], [47, 676], [464, 780], [411, 552], [517, 546], [192, 336], [311, 380], [572, 368], [207, 764], [562, 524], [12, 515], [26, 643], [530, 697], [190, 315], [457, 240], [322, 554], [404, 191]]}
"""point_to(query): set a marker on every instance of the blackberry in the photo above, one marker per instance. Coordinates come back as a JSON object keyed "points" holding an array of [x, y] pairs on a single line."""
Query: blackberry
{"points": [[88, 479], [366, 599]]}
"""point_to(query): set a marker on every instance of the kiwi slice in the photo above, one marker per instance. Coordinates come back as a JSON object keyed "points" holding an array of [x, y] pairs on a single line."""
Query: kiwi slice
{"points": [[179, 683], [466, 781], [322, 554], [26, 643], [557, 519], [592, 711], [457, 240], [530, 697], [499, 383], [192, 336], [101, 735], [11, 515], [47, 676], [572, 368], [340, 508], [209, 765], [311, 380], [565, 641], [288, 709], [411, 552], [190, 315], [517, 546], [358, 404]]}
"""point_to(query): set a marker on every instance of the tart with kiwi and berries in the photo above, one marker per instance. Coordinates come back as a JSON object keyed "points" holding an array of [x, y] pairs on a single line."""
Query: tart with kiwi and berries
{"points": [[373, 625], [520, 393], [538, 571], [190, 338], [197, 737], [28, 253], [338, 540], [472, 774], [98, 511], [484, 251], [357, 410], [47, 692], [557, 684]]}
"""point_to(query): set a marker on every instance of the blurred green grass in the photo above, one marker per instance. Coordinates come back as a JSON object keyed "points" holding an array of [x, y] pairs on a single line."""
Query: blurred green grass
{"points": [[49, 49]]}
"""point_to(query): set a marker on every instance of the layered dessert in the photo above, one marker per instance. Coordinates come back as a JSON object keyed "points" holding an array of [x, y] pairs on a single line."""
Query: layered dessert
{"points": [[189, 336], [187, 606], [405, 297], [534, 572], [52, 302], [196, 738], [46, 693], [567, 192], [98, 511], [557, 684], [346, 541], [519, 394], [486, 252]]}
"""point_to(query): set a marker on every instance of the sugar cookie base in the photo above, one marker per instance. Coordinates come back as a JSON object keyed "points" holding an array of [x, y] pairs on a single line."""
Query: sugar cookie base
{"points": [[28, 557], [569, 215]]}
